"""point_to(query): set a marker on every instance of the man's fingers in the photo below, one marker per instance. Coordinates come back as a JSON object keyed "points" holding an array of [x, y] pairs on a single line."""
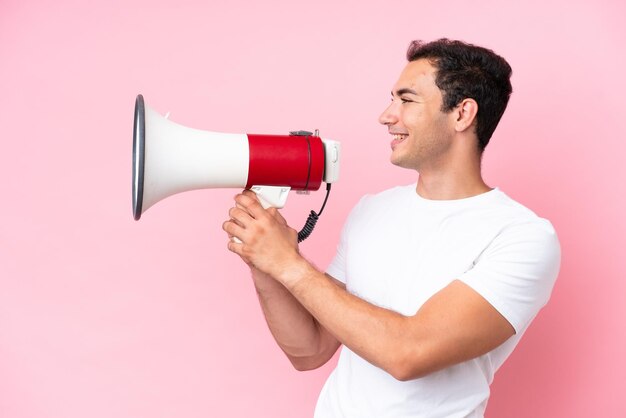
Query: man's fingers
{"points": [[233, 229], [248, 192], [235, 247], [240, 215], [249, 202]]}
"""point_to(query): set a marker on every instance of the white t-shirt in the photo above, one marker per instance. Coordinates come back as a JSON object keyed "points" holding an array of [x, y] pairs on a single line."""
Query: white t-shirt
{"points": [[397, 249]]}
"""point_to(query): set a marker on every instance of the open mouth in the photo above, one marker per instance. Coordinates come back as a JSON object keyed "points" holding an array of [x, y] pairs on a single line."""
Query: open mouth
{"points": [[397, 138]]}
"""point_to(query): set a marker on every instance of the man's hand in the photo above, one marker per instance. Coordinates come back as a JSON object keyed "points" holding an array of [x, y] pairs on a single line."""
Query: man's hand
{"points": [[267, 243]]}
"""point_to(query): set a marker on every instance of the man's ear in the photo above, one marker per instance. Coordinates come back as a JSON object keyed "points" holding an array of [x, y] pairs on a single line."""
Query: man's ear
{"points": [[465, 113]]}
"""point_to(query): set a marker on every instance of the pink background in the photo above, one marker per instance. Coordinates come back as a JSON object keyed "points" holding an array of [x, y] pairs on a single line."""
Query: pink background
{"points": [[102, 316]]}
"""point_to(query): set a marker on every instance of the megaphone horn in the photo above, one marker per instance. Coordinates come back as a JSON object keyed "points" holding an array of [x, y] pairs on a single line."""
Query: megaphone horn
{"points": [[169, 158]]}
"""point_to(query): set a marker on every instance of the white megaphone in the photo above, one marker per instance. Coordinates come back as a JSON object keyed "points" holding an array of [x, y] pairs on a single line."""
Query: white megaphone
{"points": [[169, 158]]}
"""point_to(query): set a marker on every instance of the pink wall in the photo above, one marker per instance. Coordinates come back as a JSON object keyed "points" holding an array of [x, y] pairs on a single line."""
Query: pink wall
{"points": [[102, 316]]}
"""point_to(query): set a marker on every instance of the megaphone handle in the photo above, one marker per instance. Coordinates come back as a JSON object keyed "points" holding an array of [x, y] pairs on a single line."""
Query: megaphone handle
{"points": [[272, 196], [269, 197]]}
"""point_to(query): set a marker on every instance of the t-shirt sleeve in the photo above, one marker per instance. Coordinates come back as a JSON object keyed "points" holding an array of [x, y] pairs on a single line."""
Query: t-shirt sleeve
{"points": [[517, 271], [338, 265]]}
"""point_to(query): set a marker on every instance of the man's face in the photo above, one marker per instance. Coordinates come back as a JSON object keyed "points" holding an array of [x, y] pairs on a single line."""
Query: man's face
{"points": [[421, 132]]}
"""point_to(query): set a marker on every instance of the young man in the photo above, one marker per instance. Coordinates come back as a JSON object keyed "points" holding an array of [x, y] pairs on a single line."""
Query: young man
{"points": [[433, 284]]}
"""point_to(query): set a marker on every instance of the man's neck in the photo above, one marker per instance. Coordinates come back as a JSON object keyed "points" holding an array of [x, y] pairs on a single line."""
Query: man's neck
{"points": [[449, 189], [457, 179]]}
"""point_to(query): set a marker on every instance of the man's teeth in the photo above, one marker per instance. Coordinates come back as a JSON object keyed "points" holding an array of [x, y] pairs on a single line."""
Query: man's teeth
{"points": [[399, 137]]}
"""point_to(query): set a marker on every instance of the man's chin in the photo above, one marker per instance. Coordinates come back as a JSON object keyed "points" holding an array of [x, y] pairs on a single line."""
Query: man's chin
{"points": [[401, 162], [398, 162]]}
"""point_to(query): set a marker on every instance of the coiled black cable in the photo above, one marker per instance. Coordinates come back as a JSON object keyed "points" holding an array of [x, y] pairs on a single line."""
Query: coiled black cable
{"points": [[309, 225]]}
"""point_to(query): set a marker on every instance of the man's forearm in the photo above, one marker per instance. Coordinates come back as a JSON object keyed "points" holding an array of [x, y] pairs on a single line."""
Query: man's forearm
{"points": [[295, 330]]}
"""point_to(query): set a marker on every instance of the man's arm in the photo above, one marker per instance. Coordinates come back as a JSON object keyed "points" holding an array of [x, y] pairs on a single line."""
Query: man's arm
{"points": [[306, 343], [455, 325]]}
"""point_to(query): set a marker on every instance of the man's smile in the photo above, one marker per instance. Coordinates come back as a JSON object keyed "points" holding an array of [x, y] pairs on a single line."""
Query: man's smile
{"points": [[397, 138]]}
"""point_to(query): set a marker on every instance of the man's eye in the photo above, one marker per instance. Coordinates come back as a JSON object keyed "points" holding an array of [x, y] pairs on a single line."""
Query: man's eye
{"points": [[405, 100]]}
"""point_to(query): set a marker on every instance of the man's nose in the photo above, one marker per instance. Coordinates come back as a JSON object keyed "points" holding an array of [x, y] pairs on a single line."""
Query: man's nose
{"points": [[389, 115]]}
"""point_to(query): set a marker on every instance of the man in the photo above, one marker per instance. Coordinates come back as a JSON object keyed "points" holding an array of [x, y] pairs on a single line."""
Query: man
{"points": [[433, 284]]}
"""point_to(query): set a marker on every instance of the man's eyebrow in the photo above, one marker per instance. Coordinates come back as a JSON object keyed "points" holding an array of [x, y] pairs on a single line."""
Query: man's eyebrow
{"points": [[405, 90]]}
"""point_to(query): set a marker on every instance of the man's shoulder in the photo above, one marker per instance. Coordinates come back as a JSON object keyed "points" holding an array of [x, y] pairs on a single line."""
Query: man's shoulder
{"points": [[509, 208], [512, 222]]}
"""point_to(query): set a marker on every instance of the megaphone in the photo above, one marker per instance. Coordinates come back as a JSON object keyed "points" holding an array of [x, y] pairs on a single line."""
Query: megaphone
{"points": [[169, 158]]}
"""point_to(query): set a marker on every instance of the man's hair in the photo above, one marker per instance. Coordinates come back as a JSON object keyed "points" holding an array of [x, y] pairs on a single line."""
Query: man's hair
{"points": [[468, 71]]}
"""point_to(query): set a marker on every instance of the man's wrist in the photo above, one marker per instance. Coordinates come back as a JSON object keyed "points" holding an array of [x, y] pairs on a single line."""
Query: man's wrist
{"points": [[295, 271]]}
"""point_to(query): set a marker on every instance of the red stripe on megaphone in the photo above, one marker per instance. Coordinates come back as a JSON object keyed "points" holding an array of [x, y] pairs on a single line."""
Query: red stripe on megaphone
{"points": [[286, 160]]}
